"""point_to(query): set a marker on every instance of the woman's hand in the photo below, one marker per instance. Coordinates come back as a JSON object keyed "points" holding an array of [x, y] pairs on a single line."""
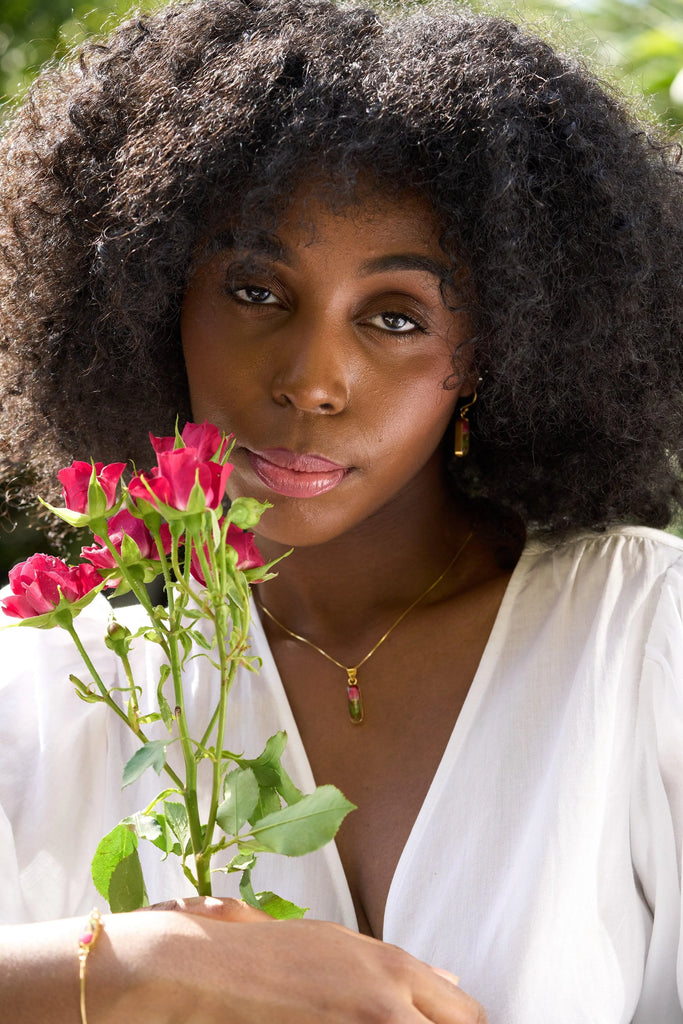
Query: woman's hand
{"points": [[220, 962], [298, 972]]}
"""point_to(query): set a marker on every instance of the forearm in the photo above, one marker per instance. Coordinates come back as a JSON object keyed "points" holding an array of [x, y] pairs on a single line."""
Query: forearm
{"points": [[220, 962], [134, 973]]}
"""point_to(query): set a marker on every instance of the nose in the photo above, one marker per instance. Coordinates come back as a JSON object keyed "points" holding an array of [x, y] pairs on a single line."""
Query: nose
{"points": [[313, 372]]}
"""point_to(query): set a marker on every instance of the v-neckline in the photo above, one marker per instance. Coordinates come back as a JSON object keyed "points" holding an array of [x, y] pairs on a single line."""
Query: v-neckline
{"points": [[461, 729]]}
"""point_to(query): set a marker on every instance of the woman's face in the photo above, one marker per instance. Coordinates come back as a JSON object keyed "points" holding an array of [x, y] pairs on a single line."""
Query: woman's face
{"points": [[325, 352]]}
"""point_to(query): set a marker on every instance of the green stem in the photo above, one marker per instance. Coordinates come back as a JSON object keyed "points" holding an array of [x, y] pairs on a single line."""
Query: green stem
{"points": [[183, 575], [228, 671], [203, 881], [133, 688], [137, 588], [108, 698]]}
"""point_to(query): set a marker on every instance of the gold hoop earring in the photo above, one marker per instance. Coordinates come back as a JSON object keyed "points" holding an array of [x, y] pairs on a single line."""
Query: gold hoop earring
{"points": [[461, 444]]}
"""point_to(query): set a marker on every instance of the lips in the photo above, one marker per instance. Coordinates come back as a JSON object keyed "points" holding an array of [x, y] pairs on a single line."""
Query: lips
{"points": [[295, 476]]}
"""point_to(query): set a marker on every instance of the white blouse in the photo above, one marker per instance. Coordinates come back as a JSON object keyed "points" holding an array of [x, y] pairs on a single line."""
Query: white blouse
{"points": [[544, 866]]}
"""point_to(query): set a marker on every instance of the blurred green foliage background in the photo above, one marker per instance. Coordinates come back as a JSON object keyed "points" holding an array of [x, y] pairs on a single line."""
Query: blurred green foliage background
{"points": [[638, 45]]}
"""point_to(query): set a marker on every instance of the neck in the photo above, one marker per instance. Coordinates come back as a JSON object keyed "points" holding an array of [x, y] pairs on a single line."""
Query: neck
{"points": [[371, 573]]}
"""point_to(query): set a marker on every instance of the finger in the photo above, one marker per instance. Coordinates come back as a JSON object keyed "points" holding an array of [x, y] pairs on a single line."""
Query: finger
{"points": [[453, 978], [444, 1002]]}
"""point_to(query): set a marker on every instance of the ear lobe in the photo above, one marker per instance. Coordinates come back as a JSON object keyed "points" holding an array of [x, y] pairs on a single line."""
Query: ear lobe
{"points": [[471, 381]]}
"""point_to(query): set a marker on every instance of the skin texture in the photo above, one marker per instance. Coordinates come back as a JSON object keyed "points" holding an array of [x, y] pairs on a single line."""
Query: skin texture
{"points": [[197, 964], [316, 353]]}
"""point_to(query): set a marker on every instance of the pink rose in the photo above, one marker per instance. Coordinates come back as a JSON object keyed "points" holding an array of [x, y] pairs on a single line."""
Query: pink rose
{"points": [[248, 555], [206, 439], [75, 481], [123, 524], [36, 585], [172, 481]]}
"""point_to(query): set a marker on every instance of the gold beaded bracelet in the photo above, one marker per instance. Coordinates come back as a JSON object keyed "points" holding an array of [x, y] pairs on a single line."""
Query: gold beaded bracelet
{"points": [[86, 941]]}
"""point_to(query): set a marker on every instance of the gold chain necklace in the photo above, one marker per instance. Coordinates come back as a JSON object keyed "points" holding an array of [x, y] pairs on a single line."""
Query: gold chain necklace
{"points": [[353, 694]]}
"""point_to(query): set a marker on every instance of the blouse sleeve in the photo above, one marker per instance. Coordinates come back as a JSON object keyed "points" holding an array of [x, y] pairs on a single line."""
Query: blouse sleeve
{"points": [[657, 806], [52, 760]]}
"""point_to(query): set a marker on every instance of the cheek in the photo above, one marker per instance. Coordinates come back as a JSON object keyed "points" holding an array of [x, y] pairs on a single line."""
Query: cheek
{"points": [[428, 410], [207, 364]]}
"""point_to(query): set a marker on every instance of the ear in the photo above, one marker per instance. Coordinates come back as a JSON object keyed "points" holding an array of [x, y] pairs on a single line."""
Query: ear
{"points": [[470, 382], [465, 376]]}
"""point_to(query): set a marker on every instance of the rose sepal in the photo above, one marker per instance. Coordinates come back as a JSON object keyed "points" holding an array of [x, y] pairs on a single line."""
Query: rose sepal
{"points": [[62, 614], [97, 499], [100, 506], [67, 514], [147, 508], [82, 518], [142, 572]]}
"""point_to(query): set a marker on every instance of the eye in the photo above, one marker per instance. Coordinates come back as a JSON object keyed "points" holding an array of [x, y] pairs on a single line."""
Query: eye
{"points": [[395, 323], [254, 295]]}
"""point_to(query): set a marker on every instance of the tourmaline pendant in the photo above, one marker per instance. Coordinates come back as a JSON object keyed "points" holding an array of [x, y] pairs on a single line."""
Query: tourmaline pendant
{"points": [[462, 437], [353, 697]]}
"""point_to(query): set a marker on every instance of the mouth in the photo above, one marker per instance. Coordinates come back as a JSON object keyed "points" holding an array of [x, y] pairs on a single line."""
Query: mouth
{"points": [[295, 476]]}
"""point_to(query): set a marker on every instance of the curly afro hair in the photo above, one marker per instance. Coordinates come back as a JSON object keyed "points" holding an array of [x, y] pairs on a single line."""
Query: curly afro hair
{"points": [[561, 213]]}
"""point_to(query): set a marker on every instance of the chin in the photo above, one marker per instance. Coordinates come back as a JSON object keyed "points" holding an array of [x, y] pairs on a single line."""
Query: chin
{"points": [[303, 530]]}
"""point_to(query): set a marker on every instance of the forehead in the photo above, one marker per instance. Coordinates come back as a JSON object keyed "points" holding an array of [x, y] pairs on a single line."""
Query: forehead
{"points": [[368, 227]]}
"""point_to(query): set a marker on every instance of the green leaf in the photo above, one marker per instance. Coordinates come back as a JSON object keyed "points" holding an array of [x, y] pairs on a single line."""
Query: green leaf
{"points": [[112, 848], [301, 827], [243, 861], [266, 766], [186, 645], [240, 796], [89, 698], [200, 639], [127, 886], [235, 595], [166, 841], [246, 891], [145, 826], [153, 716], [152, 755], [116, 870], [287, 790], [82, 691], [268, 802], [269, 771], [176, 816], [164, 706], [215, 528], [279, 908], [151, 634], [276, 906]]}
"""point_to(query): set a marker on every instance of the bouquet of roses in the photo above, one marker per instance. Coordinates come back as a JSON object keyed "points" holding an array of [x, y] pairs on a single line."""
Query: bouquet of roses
{"points": [[170, 522]]}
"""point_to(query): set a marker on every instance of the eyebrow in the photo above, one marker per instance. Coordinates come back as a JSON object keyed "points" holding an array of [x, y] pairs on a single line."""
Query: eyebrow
{"points": [[271, 248], [264, 245], [405, 261]]}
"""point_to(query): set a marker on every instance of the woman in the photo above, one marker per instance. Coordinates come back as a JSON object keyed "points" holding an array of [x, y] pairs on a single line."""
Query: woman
{"points": [[344, 239]]}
